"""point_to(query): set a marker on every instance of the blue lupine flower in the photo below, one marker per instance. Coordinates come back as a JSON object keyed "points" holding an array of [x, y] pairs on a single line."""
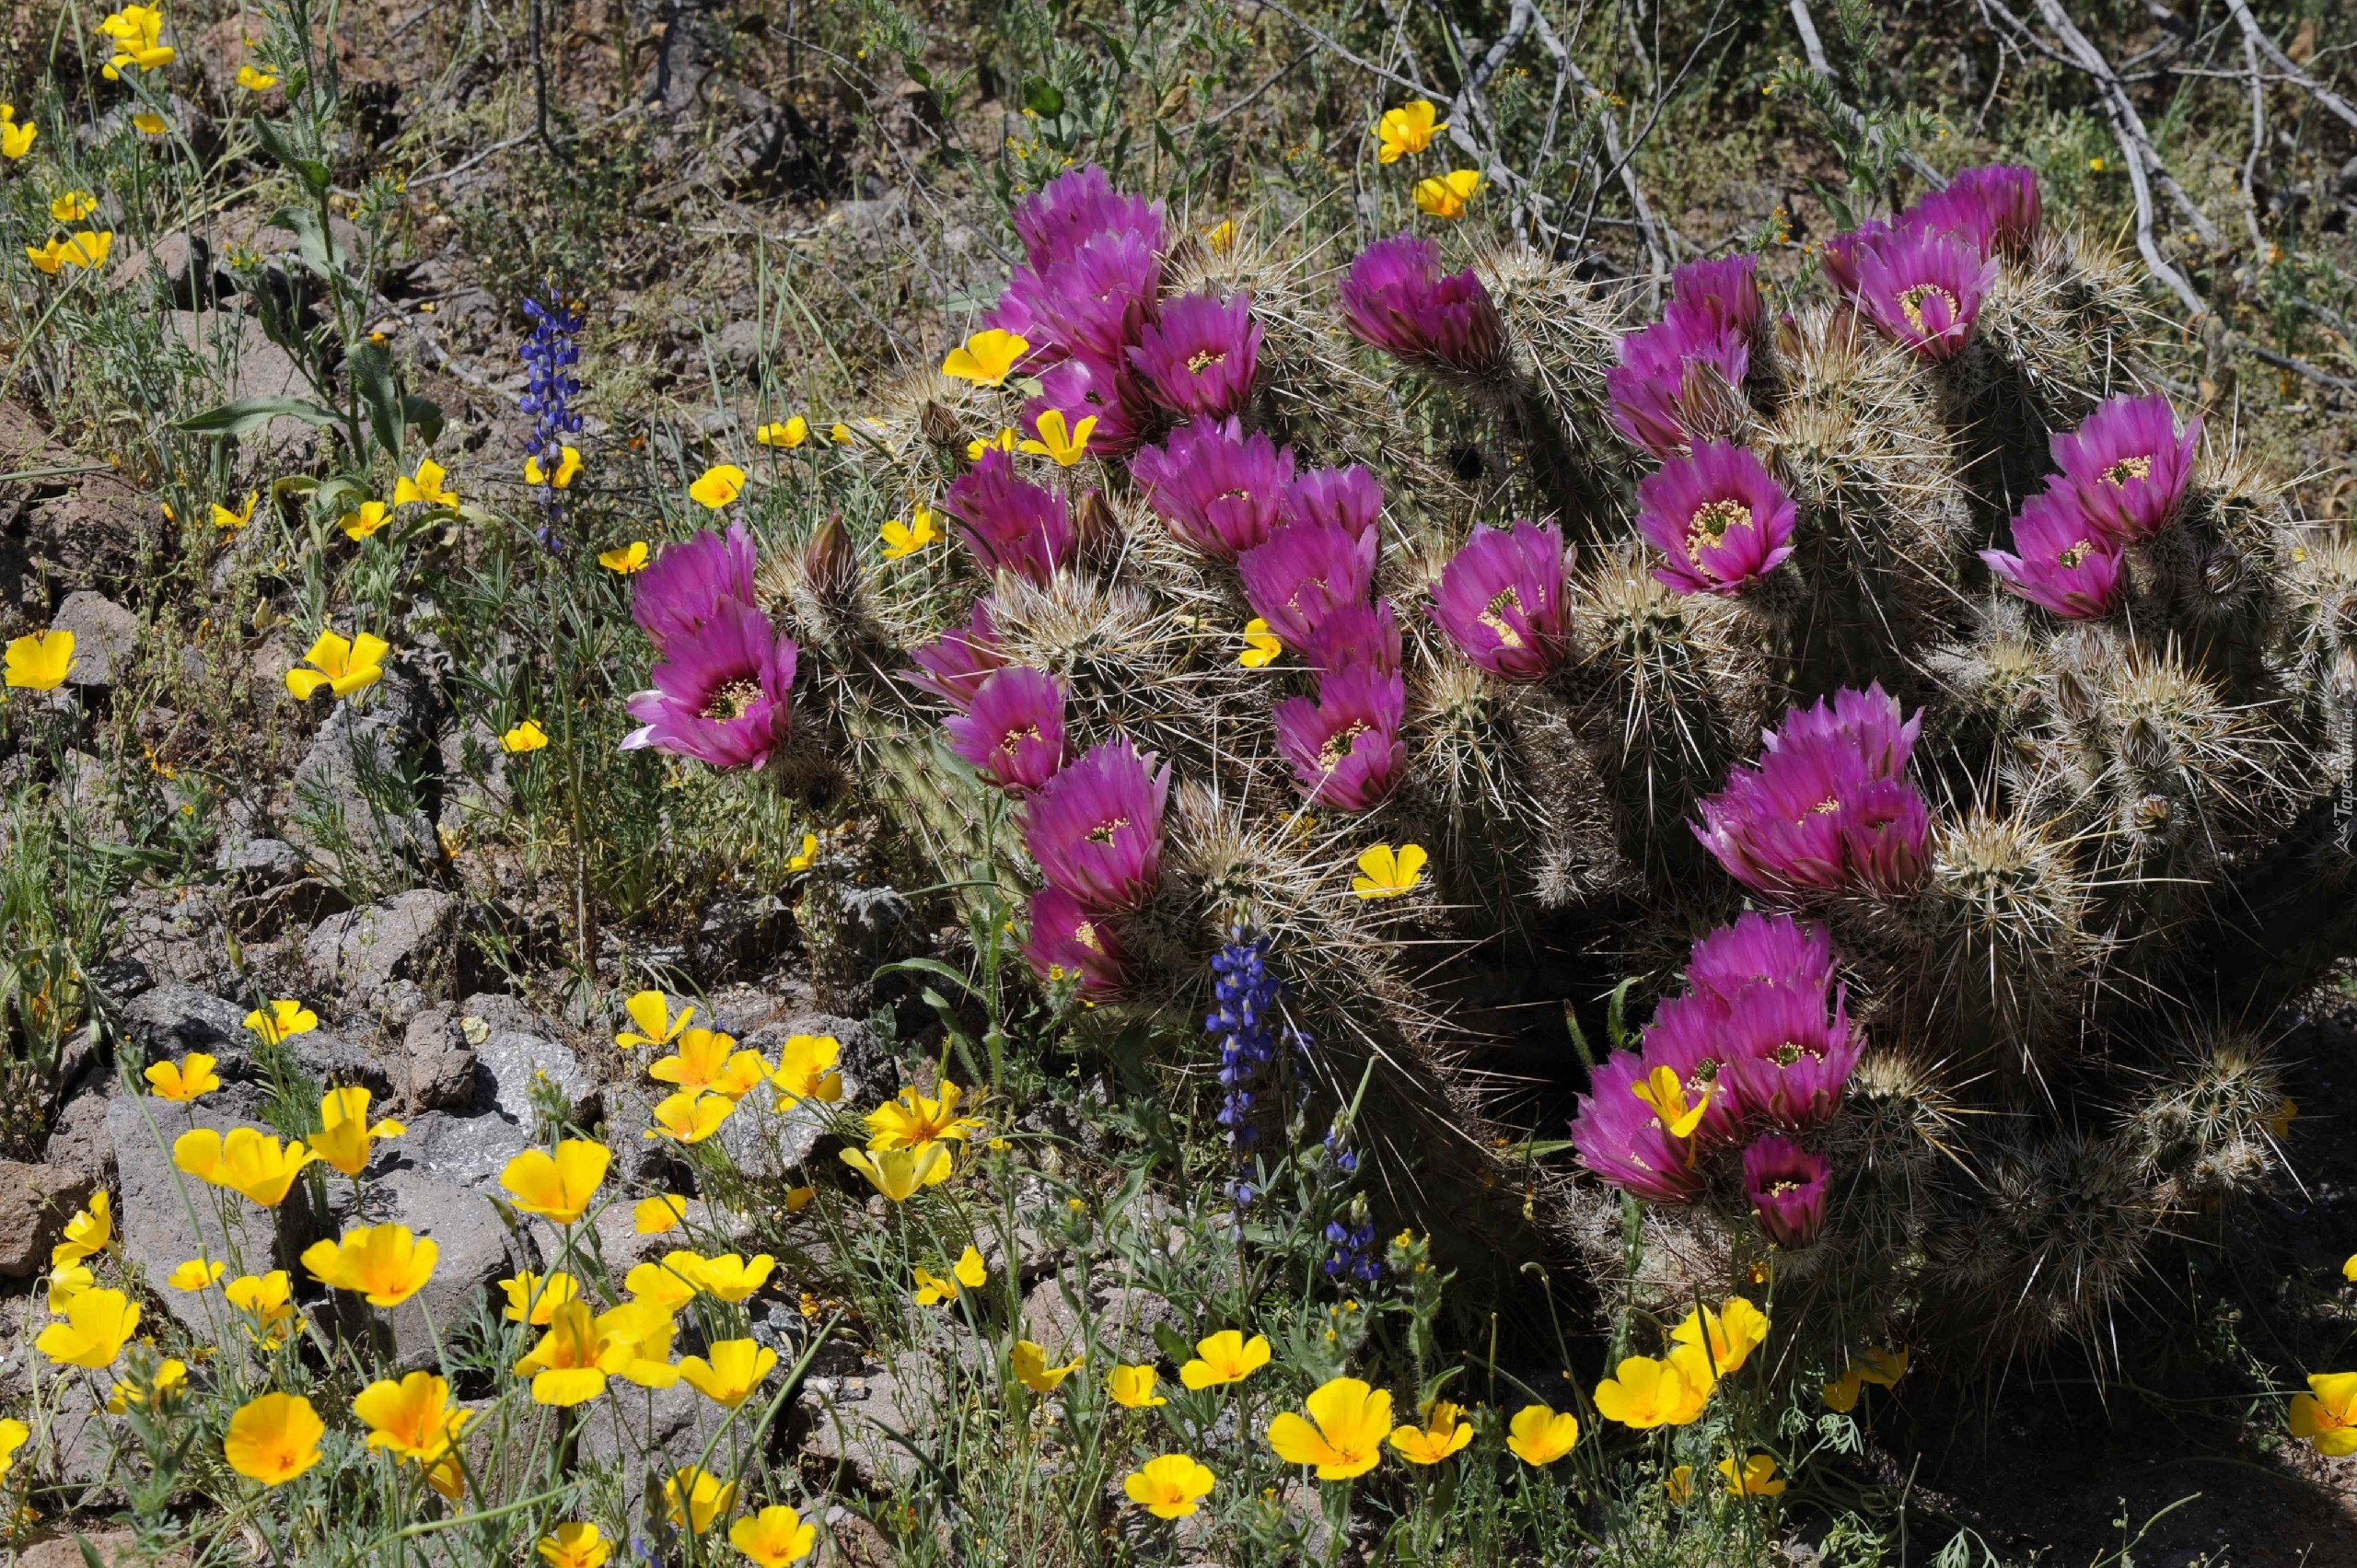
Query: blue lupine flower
{"points": [[549, 354]]}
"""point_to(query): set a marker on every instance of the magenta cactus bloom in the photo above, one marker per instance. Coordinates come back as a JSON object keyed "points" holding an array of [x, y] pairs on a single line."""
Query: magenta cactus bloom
{"points": [[1094, 301], [1709, 297], [1923, 289], [1786, 1186], [685, 586], [1648, 386], [1763, 949], [1087, 385], [1620, 1138], [1500, 598], [1095, 828], [1355, 636], [1829, 807], [1010, 524], [1350, 498], [1200, 357], [1013, 733], [1844, 253], [1217, 487], [1304, 573], [1786, 1060], [2067, 565], [720, 692], [2129, 464], [1687, 1035], [1075, 207], [1067, 940], [1344, 747], [1395, 299], [1996, 207], [1721, 519], [954, 665]]}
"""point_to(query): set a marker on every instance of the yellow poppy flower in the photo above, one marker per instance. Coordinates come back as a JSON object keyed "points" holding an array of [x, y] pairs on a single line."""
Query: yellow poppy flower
{"points": [[73, 206], [626, 559], [1386, 872], [284, 1020], [897, 1173], [17, 138], [729, 1372], [840, 435], [790, 434], [568, 464], [385, 1263], [1666, 1092], [1031, 1369], [1003, 441], [274, 1439], [137, 32], [347, 1137], [651, 1010], [718, 485], [1883, 1368], [707, 1059], [366, 519], [414, 1418], [525, 736], [1169, 1486], [909, 1119], [151, 123], [773, 1538], [1225, 1357], [170, 1382], [1340, 1429], [1442, 1434], [1842, 1394], [1756, 1478], [666, 1287], [654, 1216], [1735, 1330], [575, 1546], [534, 1299], [986, 358], [1133, 1388], [1540, 1435], [1407, 130], [1260, 645], [968, 1274], [804, 859], [806, 1070], [579, 1353], [694, 1498], [269, 1299], [66, 1282], [1221, 236], [197, 1273], [229, 521], [183, 1080], [1648, 1393], [424, 487], [255, 81], [2325, 1417], [1066, 445], [254, 1164], [88, 1233], [13, 1436], [557, 1187], [1446, 195], [733, 1278], [1679, 1483], [690, 1116], [98, 1325], [342, 666], [39, 660], [902, 540]]}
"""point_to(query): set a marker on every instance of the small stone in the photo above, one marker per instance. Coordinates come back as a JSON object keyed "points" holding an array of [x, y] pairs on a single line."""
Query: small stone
{"points": [[106, 635], [465, 1151], [79, 1143], [361, 951], [35, 1202], [516, 1061], [1121, 1318], [261, 863], [336, 1063], [442, 1067], [851, 1421]]}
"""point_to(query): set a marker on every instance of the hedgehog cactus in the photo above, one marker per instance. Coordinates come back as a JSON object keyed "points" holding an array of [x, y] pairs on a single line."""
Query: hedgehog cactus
{"points": [[1875, 649]]}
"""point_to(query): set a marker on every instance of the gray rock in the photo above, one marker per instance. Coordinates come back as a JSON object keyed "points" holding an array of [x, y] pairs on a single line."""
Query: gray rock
{"points": [[361, 951], [105, 637], [516, 1061], [79, 1141], [1120, 1318], [113, 1548], [165, 1217], [863, 1426], [173, 1019], [631, 1422], [463, 1151], [352, 792], [441, 1066], [763, 1141], [336, 1063], [261, 863], [35, 1202], [246, 363], [472, 1254]]}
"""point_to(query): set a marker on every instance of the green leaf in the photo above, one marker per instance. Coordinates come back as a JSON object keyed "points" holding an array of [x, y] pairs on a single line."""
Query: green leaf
{"points": [[246, 415], [273, 136], [426, 413], [315, 243], [1166, 1339], [933, 967], [1042, 97], [372, 378]]}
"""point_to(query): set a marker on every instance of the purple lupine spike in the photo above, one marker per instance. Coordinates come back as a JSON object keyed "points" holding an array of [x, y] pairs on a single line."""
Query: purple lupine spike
{"points": [[1013, 733], [1660, 366], [1355, 636], [1924, 289], [1501, 600], [1304, 573], [1217, 487], [1095, 828], [2130, 465], [1687, 1036], [1396, 299], [1010, 524], [1786, 1058], [1996, 207], [954, 665], [1828, 808], [1763, 949], [1066, 939], [688, 582], [1344, 747], [1785, 1185], [1720, 517], [1076, 206], [1709, 297], [721, 692], [1088, 385], [1349, 497], [2066, 564], [1199, 356], [1619, 1137]]}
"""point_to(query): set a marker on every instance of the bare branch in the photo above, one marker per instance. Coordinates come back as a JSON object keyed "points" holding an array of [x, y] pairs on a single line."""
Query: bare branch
{"points": [[2253, 35], [2137, 141]]}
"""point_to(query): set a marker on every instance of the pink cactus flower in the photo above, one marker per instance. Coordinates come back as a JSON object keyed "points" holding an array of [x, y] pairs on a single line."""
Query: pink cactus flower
{"points": [[2130, 465], [1013, 733], [1217, 487], [1500, 598], [1720, 517], [1344, 747], [720, 692], [2067, 562], [1095, 828]]}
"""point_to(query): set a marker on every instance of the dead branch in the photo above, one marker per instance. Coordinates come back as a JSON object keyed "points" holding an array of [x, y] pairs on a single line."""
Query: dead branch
{"points": [[2256, 38]]}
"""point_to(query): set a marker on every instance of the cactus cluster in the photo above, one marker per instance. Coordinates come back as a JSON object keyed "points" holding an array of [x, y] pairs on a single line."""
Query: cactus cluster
{"points": [[1877, 648]]}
